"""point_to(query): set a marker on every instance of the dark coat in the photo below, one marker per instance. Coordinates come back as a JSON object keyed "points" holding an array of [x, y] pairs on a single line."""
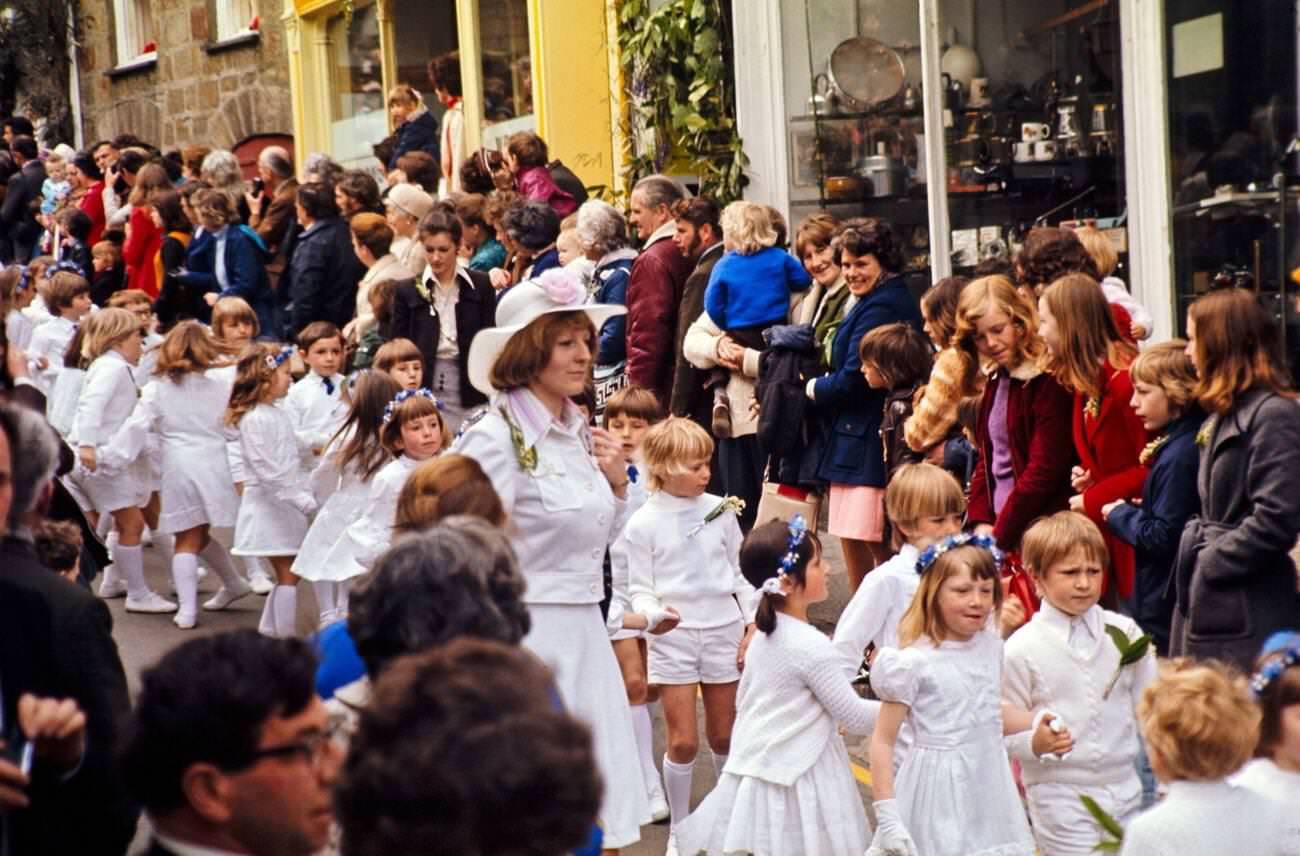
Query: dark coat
{"points": [[611, 287], [1169, 498], [1039, 413], [654, 297], [689, 398], [853, 454], [18, 214], [418, 134], [414, 319], [788, 429], [1234, 577], [323, 274], [246, 275], [56, 641]]}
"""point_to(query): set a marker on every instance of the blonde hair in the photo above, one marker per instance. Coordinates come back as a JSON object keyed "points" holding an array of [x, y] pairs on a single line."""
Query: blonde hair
{"points": [[106, 329], [404, 93], [189, 347], [1099, 248], [747, 226], [231, 310], [443, 486], [1199, 721], [981, 297], [1167, 366], [1089, 334], [923, 617], [1050, 540], [415, 407], [253, 374], [670, 445], [918, 491]]}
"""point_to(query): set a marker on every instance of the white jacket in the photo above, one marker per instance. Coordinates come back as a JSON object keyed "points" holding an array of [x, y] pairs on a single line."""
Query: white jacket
{"points": [[108, 395], [875, 609], [316, 414]]}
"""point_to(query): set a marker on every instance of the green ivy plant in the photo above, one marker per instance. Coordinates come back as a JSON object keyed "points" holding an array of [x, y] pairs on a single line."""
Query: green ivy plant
{"points": [[676, 64], [34, 62]]}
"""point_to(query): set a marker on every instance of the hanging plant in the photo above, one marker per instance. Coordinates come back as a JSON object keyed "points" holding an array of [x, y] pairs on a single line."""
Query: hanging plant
{"points": [[34, 38], [676, 61]]}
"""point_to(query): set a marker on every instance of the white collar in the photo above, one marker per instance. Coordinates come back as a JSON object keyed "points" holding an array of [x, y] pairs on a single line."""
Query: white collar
{"points": [[665, 501], [534, 419], [185, 848], [906, 564], [616, 255], [664, 231], [1060, 622]]}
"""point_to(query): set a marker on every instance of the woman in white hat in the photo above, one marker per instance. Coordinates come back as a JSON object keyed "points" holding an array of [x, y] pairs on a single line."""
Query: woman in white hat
{"points": [[564, 485]]}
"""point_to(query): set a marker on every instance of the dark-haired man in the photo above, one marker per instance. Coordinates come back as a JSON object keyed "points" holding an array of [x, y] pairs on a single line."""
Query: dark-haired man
{"points": [[698, 238], [323, 271], [18, 215], [230, 751]]}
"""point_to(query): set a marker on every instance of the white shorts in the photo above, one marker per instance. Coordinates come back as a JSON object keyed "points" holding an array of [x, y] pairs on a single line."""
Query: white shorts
{"points": [[1064, 827], [707, 656]]}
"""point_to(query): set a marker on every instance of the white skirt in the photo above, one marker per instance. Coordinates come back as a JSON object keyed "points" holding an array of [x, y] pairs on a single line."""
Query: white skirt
{"points": [[327, 531], [111, 490], [821, 814], [267, 527], [572, 641], [196, 490]]}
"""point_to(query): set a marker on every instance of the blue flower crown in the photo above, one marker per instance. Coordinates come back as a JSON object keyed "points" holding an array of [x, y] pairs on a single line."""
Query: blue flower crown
{"points": [[24, 279], [406, 395], [798, 531], [274, 361], [952, 542], [1288, 644]]}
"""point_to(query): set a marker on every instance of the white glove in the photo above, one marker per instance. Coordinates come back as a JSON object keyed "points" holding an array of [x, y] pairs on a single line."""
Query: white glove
{"points": [[655, 617], [891, 838], [1057, 725]]}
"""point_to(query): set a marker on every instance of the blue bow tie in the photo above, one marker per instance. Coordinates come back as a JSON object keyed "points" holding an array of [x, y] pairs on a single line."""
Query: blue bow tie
{"points": [[329, 385], [632, 472]]}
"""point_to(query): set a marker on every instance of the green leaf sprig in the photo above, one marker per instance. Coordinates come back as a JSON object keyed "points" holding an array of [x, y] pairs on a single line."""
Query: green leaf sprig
{"points": [[1130, 652], [525, 455], [1109, 825]]}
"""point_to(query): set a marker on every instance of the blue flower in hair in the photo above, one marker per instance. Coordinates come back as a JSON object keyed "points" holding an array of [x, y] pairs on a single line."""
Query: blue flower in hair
{"points": [[952, 542], [406, 395], [274, 361], [798, 531], [1286, 644], [24, 278]]}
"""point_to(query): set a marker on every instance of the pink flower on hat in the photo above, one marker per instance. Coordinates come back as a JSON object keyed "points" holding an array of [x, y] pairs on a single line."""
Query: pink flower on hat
{"points": [[562, 287]]}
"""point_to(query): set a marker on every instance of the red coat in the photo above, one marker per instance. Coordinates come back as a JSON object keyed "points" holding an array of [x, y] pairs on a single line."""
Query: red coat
{"points": [[143, 241], [654, 294], [1108, 447], [1038, 419], [93, 204]]}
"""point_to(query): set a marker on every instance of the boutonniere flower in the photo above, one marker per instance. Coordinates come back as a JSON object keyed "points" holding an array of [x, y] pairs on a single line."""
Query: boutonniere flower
{"points": [[734, 504], [525, 455], [1092, 406], [1203, 436], [1149, 451], [1130, 652]]}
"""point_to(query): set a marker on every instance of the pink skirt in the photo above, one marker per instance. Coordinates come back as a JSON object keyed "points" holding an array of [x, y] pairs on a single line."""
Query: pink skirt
{"points": [[857, 512]]}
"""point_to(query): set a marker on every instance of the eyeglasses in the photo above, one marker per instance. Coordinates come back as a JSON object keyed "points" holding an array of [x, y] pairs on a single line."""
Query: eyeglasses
{"points": [[310, 749]]}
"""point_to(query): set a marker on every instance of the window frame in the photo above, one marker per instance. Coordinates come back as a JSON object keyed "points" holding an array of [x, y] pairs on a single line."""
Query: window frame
{"points": [[225, 21], [129, 26]]}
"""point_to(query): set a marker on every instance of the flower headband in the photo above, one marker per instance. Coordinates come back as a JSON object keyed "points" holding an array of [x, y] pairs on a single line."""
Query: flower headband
{"points": [[798, 531], [406, 395], [1288, 644], [62, 266], [24, 279], [274, 361], [952, 542]]}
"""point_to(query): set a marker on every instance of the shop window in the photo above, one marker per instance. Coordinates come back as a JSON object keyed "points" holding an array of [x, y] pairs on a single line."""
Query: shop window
{"points": [[234, 18], [507, 70], [135, 35], [425, 30], [358, 117]]}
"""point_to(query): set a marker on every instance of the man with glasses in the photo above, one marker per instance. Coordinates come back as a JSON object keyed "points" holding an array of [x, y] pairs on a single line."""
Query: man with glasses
{"points": [[230, 751]]}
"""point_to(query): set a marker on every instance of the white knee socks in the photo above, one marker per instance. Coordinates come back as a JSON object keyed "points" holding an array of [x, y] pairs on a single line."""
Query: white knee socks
{"points": [[286, 611], [130, 563], [266, 624], [326, 599], [677, 784], [257, 567], [218, 559], [185, 576], [644, 730], [341, 598]]}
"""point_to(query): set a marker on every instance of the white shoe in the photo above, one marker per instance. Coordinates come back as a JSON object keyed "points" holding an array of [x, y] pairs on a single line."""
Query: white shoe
{"points": [[112, 585], [260, 583], [672, 844], [185, 622], [226, 596], [658, 804], [150, 602]]}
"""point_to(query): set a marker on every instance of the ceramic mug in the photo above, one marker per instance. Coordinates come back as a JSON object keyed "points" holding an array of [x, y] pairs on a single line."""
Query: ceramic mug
{"points": [[1024, 152], [1032, 132], [1044, 150]]}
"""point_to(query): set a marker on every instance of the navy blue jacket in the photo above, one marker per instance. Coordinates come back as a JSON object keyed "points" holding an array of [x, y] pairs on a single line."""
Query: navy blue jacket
{"points": [[246, 275], [323, 274], [612, 288], [418, 134], [853, 454], [1169, 499]]}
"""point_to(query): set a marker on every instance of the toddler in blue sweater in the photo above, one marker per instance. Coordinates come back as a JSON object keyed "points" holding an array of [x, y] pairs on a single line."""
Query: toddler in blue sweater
{"points": [[749, 289]]}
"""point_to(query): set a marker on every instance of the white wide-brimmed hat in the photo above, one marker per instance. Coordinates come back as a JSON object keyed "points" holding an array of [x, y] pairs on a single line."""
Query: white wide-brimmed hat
{"points": [[557, 290]]}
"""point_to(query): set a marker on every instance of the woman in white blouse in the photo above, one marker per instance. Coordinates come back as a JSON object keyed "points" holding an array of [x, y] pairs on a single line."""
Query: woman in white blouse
{"points": [[564, 486]]}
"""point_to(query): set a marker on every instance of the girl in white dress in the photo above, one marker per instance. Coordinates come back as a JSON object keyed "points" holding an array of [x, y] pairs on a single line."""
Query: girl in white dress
{"points": [[112, 341], [16, 292], [413, 431], [341, 484], [277, 505], [185, 408], [953, 795], [787, 789]]}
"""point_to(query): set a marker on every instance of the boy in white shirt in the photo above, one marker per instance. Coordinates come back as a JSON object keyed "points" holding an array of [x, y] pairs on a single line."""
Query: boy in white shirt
{"points": [[68, 295], [315, 403], [1065, 659], [683, 553]]}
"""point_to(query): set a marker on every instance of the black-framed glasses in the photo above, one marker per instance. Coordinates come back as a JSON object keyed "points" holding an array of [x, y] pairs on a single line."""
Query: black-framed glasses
{"points": [[310, 749]]}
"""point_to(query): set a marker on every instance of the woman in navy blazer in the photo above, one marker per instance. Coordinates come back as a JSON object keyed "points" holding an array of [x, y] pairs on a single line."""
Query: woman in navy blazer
{"points": [[852, 459], [245, 272]]}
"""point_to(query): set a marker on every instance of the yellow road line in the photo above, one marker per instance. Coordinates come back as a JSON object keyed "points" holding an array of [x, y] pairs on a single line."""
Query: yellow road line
{"points": [[860, 773]]}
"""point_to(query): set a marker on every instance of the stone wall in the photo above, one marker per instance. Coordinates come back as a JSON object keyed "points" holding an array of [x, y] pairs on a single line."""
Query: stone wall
{"points": [[193, 94]]}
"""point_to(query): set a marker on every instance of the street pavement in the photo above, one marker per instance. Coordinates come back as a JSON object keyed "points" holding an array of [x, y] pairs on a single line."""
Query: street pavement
{"points": [[143, 639]]}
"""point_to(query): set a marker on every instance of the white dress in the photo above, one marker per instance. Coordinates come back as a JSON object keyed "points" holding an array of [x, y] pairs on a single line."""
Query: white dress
{"points": [[50, 340], [366, 538], [787, 789], [188, 418], [345, 498], [954, 789], [276, 507], [108, 397], [1266, 778]]}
